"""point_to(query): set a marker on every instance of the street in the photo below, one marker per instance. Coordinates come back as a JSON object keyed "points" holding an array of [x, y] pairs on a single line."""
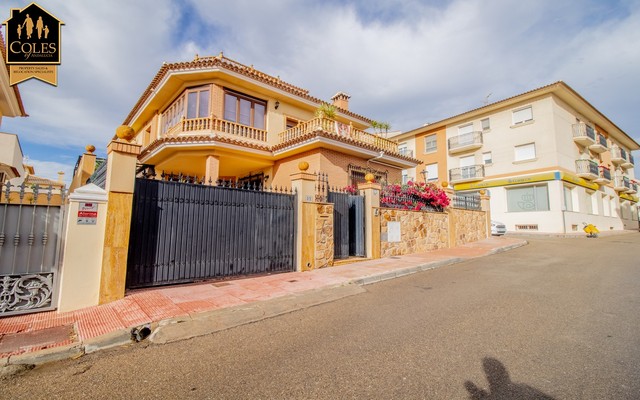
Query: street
{"points": [[557, 318]]}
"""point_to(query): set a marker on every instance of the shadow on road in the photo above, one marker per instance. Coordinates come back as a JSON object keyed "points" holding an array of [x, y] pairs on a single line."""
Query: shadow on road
{"points": [[500, 385]]}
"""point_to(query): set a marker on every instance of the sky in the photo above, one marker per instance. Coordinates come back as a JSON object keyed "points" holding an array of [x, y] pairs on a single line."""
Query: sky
{"points": [[407, 62]]}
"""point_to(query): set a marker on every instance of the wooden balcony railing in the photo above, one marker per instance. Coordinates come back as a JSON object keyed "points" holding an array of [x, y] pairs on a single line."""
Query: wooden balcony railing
{"points": [[214, 125], [339, 129]]}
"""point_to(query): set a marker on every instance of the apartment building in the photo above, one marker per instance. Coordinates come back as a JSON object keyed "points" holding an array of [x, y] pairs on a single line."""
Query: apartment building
{"points": [[218, 120], [549, 159]]}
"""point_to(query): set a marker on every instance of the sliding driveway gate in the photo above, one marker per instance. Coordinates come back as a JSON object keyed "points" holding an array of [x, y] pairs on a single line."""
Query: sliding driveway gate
{"points": [[183, 232]]}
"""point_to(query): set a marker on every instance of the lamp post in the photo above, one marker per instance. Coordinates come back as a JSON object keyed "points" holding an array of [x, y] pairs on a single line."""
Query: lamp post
{"points": [[425, 174]]}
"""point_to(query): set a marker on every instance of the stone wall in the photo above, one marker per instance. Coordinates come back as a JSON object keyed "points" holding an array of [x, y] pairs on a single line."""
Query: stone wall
{"points": [[419, 232], [317, 236], [425, 231], [467, 226]]}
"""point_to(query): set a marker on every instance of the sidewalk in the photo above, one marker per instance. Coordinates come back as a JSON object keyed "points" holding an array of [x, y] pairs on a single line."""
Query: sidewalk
{"points": [[179, 312]]}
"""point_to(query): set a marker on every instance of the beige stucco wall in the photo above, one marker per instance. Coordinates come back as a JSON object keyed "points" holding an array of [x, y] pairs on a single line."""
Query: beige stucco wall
{"points": [[10, 155]]}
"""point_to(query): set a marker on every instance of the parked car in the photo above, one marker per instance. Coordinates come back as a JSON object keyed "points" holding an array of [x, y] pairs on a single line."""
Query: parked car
{"points": [[498, 228]]}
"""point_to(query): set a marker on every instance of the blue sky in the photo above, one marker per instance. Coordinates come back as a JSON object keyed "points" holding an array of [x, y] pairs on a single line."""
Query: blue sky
{"points": [[405, 62]]}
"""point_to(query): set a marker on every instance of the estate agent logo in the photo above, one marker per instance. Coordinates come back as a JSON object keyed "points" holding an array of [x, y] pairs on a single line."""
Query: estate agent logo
{"points": [[33, 44]]}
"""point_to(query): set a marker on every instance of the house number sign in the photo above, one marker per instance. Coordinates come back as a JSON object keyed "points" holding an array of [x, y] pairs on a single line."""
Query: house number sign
{"points": [[87, 213]]}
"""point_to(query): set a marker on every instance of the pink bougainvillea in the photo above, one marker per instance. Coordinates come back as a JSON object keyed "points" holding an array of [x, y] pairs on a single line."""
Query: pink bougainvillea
{"points": [[350, 189], [414, 196]]}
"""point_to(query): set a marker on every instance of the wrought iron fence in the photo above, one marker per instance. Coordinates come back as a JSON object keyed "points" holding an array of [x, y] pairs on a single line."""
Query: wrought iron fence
{"points": [[466, 202], [99, 176]]}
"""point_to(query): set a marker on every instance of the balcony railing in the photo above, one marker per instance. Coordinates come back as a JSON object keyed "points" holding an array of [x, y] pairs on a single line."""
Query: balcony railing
{"points": [[629, 161], [618, 155], [465, 142], [633, 187], [467, 174], [584, 134], [621, 183], [604, 175], [600, 146], [587, 169], [338, 129], [215, 125], [406, 152]]}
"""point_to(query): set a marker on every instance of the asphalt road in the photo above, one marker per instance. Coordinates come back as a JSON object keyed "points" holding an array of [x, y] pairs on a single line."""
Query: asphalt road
{"points": [[558, 318]]}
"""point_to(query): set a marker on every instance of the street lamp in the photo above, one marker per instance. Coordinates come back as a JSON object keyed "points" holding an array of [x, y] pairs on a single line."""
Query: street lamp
{"points": [[425, 174]]}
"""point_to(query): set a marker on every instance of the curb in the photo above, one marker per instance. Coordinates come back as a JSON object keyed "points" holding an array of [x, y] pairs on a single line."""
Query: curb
{"points": [[207, 322]]}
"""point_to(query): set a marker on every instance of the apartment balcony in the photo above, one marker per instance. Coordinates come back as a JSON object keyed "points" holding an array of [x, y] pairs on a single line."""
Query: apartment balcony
{"points": [[406, 152], [604, 176], [466, 142], [329, 128], [466, 174], [633, 187], [600, 146], [217, 127], [618, 155], [584, 134], [629, 162], [621, 184], [587, 169]]}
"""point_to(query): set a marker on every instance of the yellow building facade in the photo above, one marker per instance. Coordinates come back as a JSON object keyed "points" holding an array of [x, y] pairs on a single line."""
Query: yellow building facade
{"points": [[213, 119]]}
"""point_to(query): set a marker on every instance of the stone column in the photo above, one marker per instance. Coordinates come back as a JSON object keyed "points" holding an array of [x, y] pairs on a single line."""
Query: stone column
{"points": [[83, 246], [212, 170], [371, 192], [122, 157], [86, 167], [451, 219], [485, 201], [303, 183]]}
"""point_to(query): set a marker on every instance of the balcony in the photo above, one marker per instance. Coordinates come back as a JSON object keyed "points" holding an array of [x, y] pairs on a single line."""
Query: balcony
{"points": [[465, 142], [217, 128], [466, 174], [629, 162], [587, 169], [584, 134], [618, 155], [621, 184], [600, 146], [335, 130], [406, 152], [604, 176], [633, 187]]}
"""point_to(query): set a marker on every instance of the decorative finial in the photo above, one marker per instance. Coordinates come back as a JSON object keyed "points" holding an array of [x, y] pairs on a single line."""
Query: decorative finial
{"points": [[90, 148], [125, 132], [303, 166], [445, 184], [369, 177]]}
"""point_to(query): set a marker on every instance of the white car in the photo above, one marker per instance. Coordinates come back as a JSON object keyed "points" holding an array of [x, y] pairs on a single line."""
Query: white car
{"points": [[498, 228]]}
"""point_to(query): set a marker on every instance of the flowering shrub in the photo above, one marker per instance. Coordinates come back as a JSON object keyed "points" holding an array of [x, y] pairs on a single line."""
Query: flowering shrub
{"points": [[414, 196], [350, 189]]}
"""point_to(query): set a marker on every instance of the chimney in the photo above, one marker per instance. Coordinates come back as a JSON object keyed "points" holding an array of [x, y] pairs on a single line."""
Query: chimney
{"points": [[341, 100], [61, 177]]}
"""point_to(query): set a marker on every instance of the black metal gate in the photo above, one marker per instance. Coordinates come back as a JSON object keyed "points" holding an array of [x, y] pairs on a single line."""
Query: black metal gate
{"points": [[183, 232], [348, 225]]}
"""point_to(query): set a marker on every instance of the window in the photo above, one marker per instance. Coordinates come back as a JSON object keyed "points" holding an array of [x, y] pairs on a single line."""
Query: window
{"points": [[522, 115], [430, 144], [464, 129], [593, 198], [193, 103], [528, 198], [485, 124], [291, 123], [405, 178], [487, 159], [432, 172], [568, 198], [606, 207], [525, 152], [244, 110]]}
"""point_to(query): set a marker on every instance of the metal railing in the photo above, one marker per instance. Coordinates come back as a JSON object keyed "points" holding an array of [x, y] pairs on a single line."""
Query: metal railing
{"points": [[587, 167], [605, 173], [216, 125], [582, 129], [339, 129], [466, 202], [467, 139], [99, 176], [464, 173], [620, 182], [406, 152], [602, 141], [618, 152]]}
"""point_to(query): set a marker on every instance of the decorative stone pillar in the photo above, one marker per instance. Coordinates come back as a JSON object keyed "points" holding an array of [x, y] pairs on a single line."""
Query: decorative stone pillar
{"points": [[212, 170], [371, 192], [303, 184], [121, 169], [81, 269], [86, 167], [450, 215], [485, 201]]}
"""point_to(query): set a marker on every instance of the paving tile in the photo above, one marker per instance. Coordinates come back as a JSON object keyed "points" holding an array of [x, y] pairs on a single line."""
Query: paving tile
{"points": [[96, 321], [129, 312], [40, 339]]}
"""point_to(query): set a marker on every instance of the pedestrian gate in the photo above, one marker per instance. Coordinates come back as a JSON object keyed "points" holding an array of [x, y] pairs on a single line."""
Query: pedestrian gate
{"points": [[348, 224], [30, 238], [182, 232]]}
